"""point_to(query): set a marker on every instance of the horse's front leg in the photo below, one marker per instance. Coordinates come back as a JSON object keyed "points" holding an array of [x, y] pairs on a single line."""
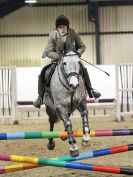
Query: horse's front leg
{"points": [[86, 130], [68, 126], [51, 143], [52, 119]]}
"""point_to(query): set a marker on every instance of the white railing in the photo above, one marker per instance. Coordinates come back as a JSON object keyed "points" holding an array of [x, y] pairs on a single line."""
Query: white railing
{"points": [[124, 90], [96, 110], [8, 93]]}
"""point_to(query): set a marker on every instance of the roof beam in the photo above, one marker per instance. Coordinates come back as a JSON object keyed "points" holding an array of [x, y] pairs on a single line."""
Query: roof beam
{"points": [[96, 2], [114, 3], [10, 6]]}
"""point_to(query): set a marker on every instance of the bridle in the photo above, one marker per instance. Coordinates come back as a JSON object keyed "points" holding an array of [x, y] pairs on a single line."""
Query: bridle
{"points": [[60, 68], [65, 75]]}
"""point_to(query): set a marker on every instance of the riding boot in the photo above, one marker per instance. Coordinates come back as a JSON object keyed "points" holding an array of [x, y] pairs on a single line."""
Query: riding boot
{"points": [[41, 89], [91, 92]]}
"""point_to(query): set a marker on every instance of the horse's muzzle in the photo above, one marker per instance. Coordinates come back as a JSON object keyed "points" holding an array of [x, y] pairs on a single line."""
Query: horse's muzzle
{"points": [[73, 82]]}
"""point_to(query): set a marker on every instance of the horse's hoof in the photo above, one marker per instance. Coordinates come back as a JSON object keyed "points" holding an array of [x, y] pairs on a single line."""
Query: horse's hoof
{"points": [[51, 146], [86, 140], [86, 137], [86, 143], [64, 139], [74, 150], [74, 153]]}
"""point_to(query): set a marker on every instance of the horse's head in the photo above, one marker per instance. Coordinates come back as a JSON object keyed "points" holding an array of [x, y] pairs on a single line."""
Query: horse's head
{"points": [[70, 66]]}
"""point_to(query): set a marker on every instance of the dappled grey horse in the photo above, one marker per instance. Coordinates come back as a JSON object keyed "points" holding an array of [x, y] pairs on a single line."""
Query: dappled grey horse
{"points": [[67, 93]]}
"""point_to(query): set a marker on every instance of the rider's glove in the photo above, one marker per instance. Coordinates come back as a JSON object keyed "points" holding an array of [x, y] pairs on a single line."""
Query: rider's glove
{"points": [[57, 56]]}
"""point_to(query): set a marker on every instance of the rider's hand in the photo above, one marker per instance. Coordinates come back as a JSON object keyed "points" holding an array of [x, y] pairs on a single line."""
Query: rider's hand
{"points": [[54, 60], [58, 56]]}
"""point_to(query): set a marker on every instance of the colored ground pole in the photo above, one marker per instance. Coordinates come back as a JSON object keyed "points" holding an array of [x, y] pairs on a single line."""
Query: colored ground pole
{"points": [[73, 165], [63, 134], [57, 161]]}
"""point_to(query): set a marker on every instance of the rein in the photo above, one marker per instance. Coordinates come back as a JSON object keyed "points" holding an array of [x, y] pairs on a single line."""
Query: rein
{"points": [[67, 87]]}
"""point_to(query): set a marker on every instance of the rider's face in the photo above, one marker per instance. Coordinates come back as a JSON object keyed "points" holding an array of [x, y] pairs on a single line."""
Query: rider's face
{"points": [[62, 29]]}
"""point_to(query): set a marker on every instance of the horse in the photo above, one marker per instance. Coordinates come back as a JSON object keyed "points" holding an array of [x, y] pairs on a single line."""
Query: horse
{"points": [[67, 93]]}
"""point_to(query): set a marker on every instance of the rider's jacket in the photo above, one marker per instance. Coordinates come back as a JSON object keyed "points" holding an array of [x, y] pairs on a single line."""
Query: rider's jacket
{"points": [[56, 45]]}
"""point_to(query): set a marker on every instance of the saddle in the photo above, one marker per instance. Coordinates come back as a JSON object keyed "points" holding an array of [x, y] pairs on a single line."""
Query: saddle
{"points": [[46, 74]]}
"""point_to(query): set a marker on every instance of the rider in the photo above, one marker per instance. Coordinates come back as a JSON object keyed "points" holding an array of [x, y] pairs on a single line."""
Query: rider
{"points": [[60, 40]]}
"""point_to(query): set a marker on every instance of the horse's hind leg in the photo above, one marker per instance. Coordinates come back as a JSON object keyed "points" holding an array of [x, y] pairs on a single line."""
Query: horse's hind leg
{"points": [[52, 120], [68, 126], [84, 114]]}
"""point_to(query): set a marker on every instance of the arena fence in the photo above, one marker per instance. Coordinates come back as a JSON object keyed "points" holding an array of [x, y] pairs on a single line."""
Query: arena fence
{"points": [[11, 110], [8, 93], [124, 90], [96, 110]]}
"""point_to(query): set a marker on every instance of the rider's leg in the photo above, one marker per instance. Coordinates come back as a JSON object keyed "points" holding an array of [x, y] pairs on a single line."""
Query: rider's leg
{"points": [[41, 89], [91, 92], [41, 84]]}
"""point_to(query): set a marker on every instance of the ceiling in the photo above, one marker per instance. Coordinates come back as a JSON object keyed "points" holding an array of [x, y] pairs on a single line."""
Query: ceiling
{"points": [[8, 6]]}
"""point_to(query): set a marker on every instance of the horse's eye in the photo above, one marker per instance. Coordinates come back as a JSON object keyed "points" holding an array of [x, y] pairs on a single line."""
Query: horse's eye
{"points": [[64, 63]]}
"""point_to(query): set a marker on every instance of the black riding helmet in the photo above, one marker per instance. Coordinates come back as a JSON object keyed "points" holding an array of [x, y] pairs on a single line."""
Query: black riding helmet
{"points": [[62, 20]]}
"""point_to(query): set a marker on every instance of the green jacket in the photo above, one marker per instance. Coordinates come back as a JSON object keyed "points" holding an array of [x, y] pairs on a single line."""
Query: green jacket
{"points": [[55, 46]]}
